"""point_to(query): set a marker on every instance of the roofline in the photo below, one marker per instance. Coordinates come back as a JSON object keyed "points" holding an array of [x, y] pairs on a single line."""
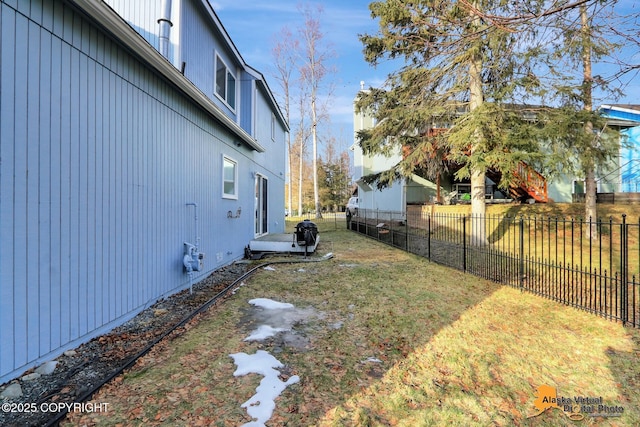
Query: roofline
{"points": [[260, 77], [621, 121], [621, 109], [223, 31], [249, 69], [120, 29]]}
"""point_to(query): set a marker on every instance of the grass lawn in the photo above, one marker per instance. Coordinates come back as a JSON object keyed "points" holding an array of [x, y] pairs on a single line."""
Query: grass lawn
{"points": [[396, 341]]}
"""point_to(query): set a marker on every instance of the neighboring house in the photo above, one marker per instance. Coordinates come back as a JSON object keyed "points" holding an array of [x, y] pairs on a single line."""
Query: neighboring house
{"points": [[414, 190], [622, 175], [625, 174], [112, 156]]}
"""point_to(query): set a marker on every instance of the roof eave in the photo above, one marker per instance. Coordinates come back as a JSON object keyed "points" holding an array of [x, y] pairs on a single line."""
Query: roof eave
{"points": [[119, 28]]}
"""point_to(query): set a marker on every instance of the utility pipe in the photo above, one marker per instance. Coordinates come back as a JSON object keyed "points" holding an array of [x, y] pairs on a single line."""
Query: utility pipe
{"points": [[164, 30]]}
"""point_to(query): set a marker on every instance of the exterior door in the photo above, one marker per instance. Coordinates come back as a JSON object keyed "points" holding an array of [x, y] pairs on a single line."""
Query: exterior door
{"points": [[261, 211]]}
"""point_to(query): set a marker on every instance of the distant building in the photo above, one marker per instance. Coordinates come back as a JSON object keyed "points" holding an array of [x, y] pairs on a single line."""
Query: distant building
{"points": [[127, 129], [625, 176], [622, 175]]}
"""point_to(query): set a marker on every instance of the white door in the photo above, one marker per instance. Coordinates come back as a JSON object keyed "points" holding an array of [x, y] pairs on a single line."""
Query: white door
{"points": [[261, 217]]}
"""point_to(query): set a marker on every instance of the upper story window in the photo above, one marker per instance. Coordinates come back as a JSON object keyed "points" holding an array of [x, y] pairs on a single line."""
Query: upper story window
{"points": [[273, 127], [229, 178], [225, 83]]}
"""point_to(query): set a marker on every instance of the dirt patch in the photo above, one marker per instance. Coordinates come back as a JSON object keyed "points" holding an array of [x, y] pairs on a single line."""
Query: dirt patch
{"points": [[280, 327]]}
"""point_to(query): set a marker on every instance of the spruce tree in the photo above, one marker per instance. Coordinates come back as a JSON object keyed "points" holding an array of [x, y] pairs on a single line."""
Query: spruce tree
{"points": [[461, 72]]}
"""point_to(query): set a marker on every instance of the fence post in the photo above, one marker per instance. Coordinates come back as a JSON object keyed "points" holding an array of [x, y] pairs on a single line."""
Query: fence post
{"points": [[624, 266], [429, 237], [464, 243], [521, 229], [406, 229]]}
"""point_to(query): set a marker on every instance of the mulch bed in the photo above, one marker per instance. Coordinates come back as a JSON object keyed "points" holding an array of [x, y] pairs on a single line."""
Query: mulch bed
{"points": [[81, 370]]}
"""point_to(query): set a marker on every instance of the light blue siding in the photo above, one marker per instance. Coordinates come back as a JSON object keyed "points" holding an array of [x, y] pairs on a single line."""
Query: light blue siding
{"points": [[7, 226], [44, 192], [20, 158], [630, 161], [99, 156], [199, 45], [247, 90], [143, 15]]}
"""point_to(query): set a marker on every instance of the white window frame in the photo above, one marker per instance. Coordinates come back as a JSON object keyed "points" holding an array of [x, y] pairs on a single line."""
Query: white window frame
{"points": [[261, 216], [273, 127], [227, 92], [228, 195]]}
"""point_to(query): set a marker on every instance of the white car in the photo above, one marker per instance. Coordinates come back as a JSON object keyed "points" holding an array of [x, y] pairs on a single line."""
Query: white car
{"points": [[352, 206]]}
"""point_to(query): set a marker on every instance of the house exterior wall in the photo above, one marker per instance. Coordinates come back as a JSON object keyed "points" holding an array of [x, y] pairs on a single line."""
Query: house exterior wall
{"points": [[143, 16], [560, 190], [360, 121], [100, 158], [630, 161], [200, 43], [247, 103], [389, 199]]}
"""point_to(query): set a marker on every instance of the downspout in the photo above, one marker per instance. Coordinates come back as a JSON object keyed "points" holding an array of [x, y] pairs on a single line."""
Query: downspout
{"points": [[165, 25]]}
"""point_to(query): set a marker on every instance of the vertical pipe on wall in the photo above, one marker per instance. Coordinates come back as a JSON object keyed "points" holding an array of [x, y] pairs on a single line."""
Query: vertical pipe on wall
{"points": [[164, 29]]}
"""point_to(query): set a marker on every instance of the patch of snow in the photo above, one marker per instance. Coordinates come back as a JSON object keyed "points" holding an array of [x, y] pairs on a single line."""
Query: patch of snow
{"points": [[371, 360], [263, 332], [270, 304], [274, 317], [269, 268], [261, 405]]}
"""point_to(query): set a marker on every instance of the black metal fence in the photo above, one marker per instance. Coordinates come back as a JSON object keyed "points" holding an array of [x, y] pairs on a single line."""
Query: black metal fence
{"points": [[548, 256], [328, 221]]}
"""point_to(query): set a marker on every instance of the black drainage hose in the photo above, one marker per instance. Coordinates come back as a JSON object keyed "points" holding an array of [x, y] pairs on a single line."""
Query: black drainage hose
{"points": [[55, 421]]}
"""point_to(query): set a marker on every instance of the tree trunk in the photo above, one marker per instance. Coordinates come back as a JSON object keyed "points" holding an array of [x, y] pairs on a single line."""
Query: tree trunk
{"points": [[314, 136], [290, 164], [478, 208], [300, 178], [590, 211]]}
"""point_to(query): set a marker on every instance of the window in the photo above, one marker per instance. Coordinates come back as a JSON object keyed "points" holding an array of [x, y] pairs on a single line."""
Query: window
{"points": [[229, 178], [225, 83], [273, 127]]}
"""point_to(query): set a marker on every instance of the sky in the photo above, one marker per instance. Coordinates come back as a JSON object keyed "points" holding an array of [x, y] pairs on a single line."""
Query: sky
{"points": [[254, 25]]}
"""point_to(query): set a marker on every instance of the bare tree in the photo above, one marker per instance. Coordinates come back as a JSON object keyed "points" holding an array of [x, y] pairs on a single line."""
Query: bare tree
{"points": [[284, 54], [302, 135], [315, 56]]}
